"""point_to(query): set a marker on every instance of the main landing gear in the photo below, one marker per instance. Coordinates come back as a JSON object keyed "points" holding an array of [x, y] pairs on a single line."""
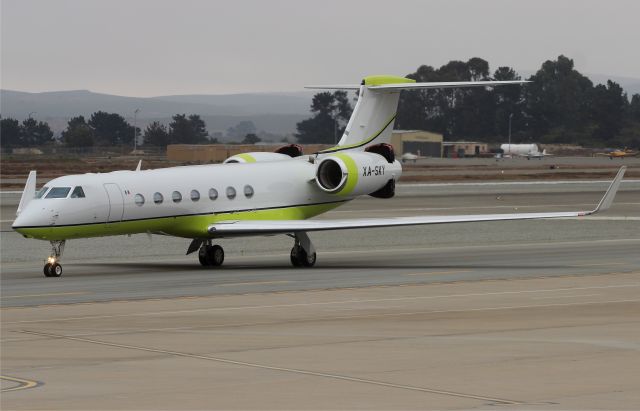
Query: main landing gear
{"points": [[210, 255], [303, 253], [53, 268]]}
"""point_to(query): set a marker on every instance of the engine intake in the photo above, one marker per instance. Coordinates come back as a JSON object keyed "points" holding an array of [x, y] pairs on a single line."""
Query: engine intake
{"points": [[357, 173]]}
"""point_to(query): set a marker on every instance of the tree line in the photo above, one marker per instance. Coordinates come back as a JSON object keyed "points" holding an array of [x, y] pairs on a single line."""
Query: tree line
{"points": [[559, 105], [111, 129], [104, 129]]}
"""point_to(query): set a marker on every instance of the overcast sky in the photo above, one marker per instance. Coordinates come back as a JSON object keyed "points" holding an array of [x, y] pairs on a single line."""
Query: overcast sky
{"points": [[160, 47]]}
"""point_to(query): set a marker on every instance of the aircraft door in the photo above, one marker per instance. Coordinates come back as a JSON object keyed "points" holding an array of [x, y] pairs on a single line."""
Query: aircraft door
{"points": [[116, 202]]}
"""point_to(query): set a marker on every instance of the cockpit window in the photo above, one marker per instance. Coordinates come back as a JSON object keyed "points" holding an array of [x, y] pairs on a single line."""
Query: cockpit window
{"points": [[78, 192], [42, 191], [58, 192]]}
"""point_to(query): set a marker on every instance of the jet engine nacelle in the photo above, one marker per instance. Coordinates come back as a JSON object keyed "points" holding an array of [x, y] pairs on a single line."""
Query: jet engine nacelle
{"points": [[256, 157], [356, 173]]}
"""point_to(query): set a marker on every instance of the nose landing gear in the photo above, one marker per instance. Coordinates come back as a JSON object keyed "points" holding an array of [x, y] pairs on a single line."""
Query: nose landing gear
{"points": [[53, 268]]}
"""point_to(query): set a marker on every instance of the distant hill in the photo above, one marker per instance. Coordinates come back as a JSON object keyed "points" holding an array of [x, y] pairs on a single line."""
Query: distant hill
{"points": [[274, 113]]}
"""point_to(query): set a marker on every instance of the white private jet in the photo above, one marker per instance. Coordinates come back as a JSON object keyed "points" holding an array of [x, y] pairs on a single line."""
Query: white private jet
{"points": [[251, 194], [523, 150]]}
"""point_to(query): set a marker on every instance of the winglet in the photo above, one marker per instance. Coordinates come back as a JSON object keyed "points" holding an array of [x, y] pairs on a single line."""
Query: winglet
{"points": [[608, 197], [139, 166], [28, 193]]}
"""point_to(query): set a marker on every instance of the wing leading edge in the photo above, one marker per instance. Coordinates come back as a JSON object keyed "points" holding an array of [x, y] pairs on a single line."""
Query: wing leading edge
{"points": [[259, 227]]}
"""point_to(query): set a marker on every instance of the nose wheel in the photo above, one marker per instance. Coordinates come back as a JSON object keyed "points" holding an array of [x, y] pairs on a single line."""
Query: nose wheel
{"points": [[211, 255], [53, 268]]}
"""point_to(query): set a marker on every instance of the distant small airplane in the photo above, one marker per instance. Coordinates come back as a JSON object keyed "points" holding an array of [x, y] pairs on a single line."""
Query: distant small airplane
{"points": [[410, 157], [522, 150], [619, 153]]}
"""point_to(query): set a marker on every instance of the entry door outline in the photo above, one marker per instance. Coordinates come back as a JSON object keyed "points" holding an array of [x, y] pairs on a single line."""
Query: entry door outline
{"points": [[116, 202]]}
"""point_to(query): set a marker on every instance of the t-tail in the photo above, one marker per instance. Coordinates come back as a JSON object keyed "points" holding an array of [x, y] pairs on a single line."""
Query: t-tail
{"points": [[375, 112]]}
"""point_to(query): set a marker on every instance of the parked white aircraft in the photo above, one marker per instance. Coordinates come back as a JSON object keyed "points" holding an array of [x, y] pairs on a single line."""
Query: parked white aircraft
{"points": [[523, 150], [251, 194]]}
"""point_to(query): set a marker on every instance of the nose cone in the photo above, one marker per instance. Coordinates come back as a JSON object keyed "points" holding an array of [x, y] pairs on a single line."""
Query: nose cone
{"points": [[33, 216]]}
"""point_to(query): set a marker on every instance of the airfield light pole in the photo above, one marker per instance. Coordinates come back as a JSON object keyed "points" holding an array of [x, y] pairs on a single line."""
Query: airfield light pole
{"points": [[135, 130], [510, 117]]}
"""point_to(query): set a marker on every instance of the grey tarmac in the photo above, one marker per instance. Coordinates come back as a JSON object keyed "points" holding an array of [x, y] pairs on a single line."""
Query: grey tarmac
{"points": [[520, 315]]}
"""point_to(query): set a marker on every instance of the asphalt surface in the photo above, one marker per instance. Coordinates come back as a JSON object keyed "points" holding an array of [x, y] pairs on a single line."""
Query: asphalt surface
{"points": [[518, 315], [139, 267]]}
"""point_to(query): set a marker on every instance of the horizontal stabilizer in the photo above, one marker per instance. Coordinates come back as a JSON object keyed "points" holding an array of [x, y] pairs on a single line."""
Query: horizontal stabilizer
{"points": [[431, 85]]}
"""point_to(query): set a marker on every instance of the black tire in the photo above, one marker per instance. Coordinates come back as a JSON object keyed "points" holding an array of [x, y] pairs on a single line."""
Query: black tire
{"points": [[215, 255], [300, 258], [294, 257], [202, 256], [47, 270], [55, 270]]}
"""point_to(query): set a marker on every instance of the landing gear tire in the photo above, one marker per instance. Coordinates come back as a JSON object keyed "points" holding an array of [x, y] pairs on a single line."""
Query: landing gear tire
{"points": [[300, 258], [52, 270], [211, 255]]}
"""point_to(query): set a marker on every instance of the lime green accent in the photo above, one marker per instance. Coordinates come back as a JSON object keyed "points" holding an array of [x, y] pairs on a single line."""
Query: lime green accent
{"points": [[381, 80], [246, 157], [193, 226], [352, 174], [361, 143]]}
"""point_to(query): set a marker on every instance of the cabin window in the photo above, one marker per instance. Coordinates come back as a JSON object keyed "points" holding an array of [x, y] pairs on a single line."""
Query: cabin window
{"points": [[248, 191], [77, 192], [195, 195], [213, 194], [176, 196], [158, 198], [58, 192], [42, 191], [138, 199], [231, 193]]}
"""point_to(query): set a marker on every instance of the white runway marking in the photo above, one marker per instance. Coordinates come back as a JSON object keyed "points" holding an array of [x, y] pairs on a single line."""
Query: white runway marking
{"points": [[373, 300]]}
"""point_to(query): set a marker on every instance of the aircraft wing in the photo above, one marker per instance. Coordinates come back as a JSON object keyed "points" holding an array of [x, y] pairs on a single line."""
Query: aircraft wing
{"points": [[253, 227]]}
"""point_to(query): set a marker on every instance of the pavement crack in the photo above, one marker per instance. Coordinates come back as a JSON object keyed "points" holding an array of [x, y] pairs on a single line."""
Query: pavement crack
{"points": [[491, 400]]}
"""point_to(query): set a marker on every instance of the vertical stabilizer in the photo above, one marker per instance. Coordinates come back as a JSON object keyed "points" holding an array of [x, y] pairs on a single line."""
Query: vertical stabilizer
{"points": [[373, 116], [28, 193]]}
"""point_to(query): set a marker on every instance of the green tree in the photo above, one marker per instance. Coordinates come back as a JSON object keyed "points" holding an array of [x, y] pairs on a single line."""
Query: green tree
{"points": [[332, 112], [558, 99], [156, 134], [35, 133], [508, 102], [187, 130], [457, 112], [111, 129], [609, 104], [251, 139], [634, 108], [78, 133], [10, 132]]}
